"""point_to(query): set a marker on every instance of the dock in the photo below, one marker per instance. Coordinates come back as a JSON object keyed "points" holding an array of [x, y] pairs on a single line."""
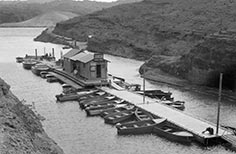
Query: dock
{"points": [[194, 125]]}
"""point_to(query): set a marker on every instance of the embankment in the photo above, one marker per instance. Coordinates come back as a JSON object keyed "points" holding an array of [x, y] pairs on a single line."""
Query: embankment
{"points": [[20, 129]]}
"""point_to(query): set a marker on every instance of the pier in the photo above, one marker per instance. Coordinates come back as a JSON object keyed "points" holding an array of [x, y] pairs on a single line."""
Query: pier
{"points": [[187, 122]]}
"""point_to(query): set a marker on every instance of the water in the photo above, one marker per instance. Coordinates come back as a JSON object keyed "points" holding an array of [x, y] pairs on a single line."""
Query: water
{"points": [[69, 126]]}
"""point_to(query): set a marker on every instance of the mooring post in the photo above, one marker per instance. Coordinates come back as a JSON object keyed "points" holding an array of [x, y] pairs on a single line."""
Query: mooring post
{"points": [[36, 54], [144, 85], [219, 102]]}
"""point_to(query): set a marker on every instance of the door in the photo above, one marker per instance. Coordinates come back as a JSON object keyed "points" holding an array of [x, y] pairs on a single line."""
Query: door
{"points": [[98, 70]]}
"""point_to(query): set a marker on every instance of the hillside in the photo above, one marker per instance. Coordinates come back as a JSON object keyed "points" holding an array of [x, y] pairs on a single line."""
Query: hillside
{"points": [[21, 130], [45, 20], [17, 11], [164, 31]]}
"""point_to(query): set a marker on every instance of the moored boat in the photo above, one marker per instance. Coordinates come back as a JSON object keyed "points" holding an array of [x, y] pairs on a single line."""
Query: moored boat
{"points": [[36, 69], [19, 59], [117, 110], [137, 127], [141, 115], [28, 64], [172, 132], [96, 100], [43, 74], [157, 94], [51, 78], [119, 117], [96, 109], [175, 104], [72, 96]]}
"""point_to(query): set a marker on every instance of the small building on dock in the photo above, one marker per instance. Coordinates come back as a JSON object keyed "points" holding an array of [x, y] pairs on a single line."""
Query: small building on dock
{"points": [[86, 65]]}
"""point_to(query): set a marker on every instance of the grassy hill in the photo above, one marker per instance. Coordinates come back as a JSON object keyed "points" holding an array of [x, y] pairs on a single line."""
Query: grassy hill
{"points": [[45, 20], [17, 11], [165, 32]]}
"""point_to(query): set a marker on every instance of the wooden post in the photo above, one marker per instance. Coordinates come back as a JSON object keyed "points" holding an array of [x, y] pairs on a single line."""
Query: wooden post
{"points": [[36, 54], [219, 101], [52, 52], [144, 85]]}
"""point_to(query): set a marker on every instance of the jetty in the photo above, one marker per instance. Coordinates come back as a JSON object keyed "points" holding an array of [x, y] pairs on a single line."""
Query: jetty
{"points": [[194, 125]]}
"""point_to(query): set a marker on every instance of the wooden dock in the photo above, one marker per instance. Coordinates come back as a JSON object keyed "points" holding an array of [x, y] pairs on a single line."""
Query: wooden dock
{"points": [[67, 80], [194, 125]]}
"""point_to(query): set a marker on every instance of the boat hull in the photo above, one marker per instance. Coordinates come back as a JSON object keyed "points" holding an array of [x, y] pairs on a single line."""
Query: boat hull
{"points": [[165, 130], [136, 128]]}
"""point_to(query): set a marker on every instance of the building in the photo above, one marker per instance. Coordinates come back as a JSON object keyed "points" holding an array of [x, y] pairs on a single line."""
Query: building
{"points": [[85, 65]]}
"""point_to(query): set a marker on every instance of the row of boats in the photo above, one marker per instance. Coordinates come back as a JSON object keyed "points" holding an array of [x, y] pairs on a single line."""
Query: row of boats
{"points": [[129, 119]]}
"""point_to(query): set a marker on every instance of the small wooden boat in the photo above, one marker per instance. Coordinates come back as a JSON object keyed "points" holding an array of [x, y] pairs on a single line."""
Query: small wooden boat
{"points": [[72, 96], [28, 64], [119, 117], [92, 96], [19, 59], [157, 94], [51, 78], [36, 69], [117, 110], [175, 104], [137, 127], [43, 74], [172, 132], [96, 100], [105, 100], [141, 115], [96, 109]]}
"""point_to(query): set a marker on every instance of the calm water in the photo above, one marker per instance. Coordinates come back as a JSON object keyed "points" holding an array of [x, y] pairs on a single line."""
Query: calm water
{"points": [[69, 126]]}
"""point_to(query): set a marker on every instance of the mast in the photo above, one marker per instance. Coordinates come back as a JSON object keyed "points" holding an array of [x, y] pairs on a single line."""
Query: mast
{"points": [[219, 102]]}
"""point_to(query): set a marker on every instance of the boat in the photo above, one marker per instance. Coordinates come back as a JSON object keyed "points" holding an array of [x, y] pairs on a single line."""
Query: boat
{"points": [[95, 100], [19, 59], [72, 96], [68, 89], [117, 110], [51, 78], [172, 132], [137, 127], [119, 117], [157, 94], [105, 100], [96, 109], [27, 64], [141, 115], [43, 74], [92, 96], [175, 104], [36, 69]]}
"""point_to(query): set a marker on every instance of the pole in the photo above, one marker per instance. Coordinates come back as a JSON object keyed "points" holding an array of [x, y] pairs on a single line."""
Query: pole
{"points": [[143, 85], [36, 55], [219, 101]]}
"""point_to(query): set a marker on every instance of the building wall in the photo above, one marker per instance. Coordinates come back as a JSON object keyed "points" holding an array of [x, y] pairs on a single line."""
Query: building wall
{"points": [[67, 65]]}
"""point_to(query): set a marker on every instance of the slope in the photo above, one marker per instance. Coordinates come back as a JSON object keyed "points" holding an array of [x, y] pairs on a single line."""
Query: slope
{"points": [[44, 20]]}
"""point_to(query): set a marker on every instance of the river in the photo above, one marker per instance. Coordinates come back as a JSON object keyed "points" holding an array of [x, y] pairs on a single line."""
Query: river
{"points": [[71, 128]]}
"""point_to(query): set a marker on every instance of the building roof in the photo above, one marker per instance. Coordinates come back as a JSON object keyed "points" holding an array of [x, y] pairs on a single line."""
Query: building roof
{"points": [[83, 57], [71, 53]]}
